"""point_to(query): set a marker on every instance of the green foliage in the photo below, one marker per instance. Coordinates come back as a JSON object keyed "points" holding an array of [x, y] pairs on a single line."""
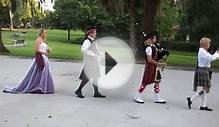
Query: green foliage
{"points": [[115, 26], [4, 16], [74, 13], [21, 10], [24, 12], [4, 2], [201, 18], [180, 45], [82, 13], [168, 19]]}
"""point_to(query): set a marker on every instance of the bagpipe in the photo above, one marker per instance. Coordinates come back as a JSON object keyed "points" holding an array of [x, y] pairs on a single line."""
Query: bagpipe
{"points": [[162, 54], [212, 49]]}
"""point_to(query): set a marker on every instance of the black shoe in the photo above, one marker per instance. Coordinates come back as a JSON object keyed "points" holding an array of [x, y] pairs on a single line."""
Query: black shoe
{"points": [[160, 102], [189, 102], [99, 95], [79, 94], [206, 108], [5, 91]]}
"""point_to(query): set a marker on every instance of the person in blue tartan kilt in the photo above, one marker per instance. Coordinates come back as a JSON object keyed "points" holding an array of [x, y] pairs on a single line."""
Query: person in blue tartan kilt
{"points": [[202, 76], [90, 54]]}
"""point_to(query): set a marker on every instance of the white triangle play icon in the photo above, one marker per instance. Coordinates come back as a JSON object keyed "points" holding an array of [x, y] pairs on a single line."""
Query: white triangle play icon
{"points": [[109, 63]]}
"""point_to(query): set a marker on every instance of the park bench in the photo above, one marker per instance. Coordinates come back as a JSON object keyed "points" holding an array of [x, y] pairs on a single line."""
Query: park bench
{"points": [[18, 39], [18, 43]]}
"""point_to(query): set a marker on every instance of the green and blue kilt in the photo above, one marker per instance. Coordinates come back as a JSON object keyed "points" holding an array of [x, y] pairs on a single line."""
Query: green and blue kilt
{"points": [[202, 77]]}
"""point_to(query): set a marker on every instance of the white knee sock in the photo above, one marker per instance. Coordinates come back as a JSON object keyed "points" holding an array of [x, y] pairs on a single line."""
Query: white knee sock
{"points": [[138, 97], [204, 99], [196, 95], [156, 97], [138, 94]]}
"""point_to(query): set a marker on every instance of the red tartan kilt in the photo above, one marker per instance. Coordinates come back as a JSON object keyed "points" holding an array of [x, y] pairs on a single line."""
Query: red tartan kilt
{"points": [[149, 74]]}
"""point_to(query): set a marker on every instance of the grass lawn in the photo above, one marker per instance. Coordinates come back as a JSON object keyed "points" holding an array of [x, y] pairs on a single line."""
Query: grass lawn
{"points": [[64, 49], [56, 39], [186, 59]]}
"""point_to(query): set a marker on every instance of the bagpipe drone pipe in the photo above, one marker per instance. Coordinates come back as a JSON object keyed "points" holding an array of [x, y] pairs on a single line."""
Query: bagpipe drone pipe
{"points": [[162, 54]]}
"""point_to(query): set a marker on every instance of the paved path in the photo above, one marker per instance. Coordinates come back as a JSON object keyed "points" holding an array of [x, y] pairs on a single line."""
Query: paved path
{"points": [[63, 109]]}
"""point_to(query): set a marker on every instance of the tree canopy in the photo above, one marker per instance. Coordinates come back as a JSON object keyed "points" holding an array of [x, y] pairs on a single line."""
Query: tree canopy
{"points": [[201, 18]]}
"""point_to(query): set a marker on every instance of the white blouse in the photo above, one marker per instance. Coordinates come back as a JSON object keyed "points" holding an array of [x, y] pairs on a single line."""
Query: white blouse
{"points": [[43, 47], [85, 47], [205, 58], [148, 50]]}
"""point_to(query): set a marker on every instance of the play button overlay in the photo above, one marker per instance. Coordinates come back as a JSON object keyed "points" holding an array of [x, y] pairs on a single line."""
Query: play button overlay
{"points": [[115, 61], [109, 63]]}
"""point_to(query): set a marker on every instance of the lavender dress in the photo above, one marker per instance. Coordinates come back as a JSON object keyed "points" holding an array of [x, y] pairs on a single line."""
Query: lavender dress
{"points": [[36, 80]]}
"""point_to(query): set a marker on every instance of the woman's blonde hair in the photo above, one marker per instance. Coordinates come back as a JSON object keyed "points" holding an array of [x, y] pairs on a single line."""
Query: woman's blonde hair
{"points": [[41, 31], [204, 41]]}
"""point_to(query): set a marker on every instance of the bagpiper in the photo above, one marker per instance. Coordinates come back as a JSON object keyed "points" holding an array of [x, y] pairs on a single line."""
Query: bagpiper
{"points": [[151, 70]]}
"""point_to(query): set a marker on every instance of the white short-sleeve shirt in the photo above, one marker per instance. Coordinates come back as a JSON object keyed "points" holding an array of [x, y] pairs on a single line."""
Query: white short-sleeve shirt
{"points": [[148, 51]]}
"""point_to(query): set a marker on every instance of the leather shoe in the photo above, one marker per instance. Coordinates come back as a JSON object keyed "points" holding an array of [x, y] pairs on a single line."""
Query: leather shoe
{"points": [[189, 102], [99, 95], [79, 94], [206, 108]]}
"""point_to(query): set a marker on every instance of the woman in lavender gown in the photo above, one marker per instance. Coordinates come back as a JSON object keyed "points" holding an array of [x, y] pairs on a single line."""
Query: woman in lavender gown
{"points": [[38, 78]]}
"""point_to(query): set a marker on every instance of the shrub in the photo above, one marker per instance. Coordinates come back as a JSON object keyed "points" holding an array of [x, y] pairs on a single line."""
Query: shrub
{"points": [[180, 45]]}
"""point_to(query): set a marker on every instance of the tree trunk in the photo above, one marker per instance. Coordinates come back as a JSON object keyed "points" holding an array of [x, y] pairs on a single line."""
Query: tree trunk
{"points": [[69, 32], [2, 47], [11, 17], [150, 12], [132, 27], [32, 14]]}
